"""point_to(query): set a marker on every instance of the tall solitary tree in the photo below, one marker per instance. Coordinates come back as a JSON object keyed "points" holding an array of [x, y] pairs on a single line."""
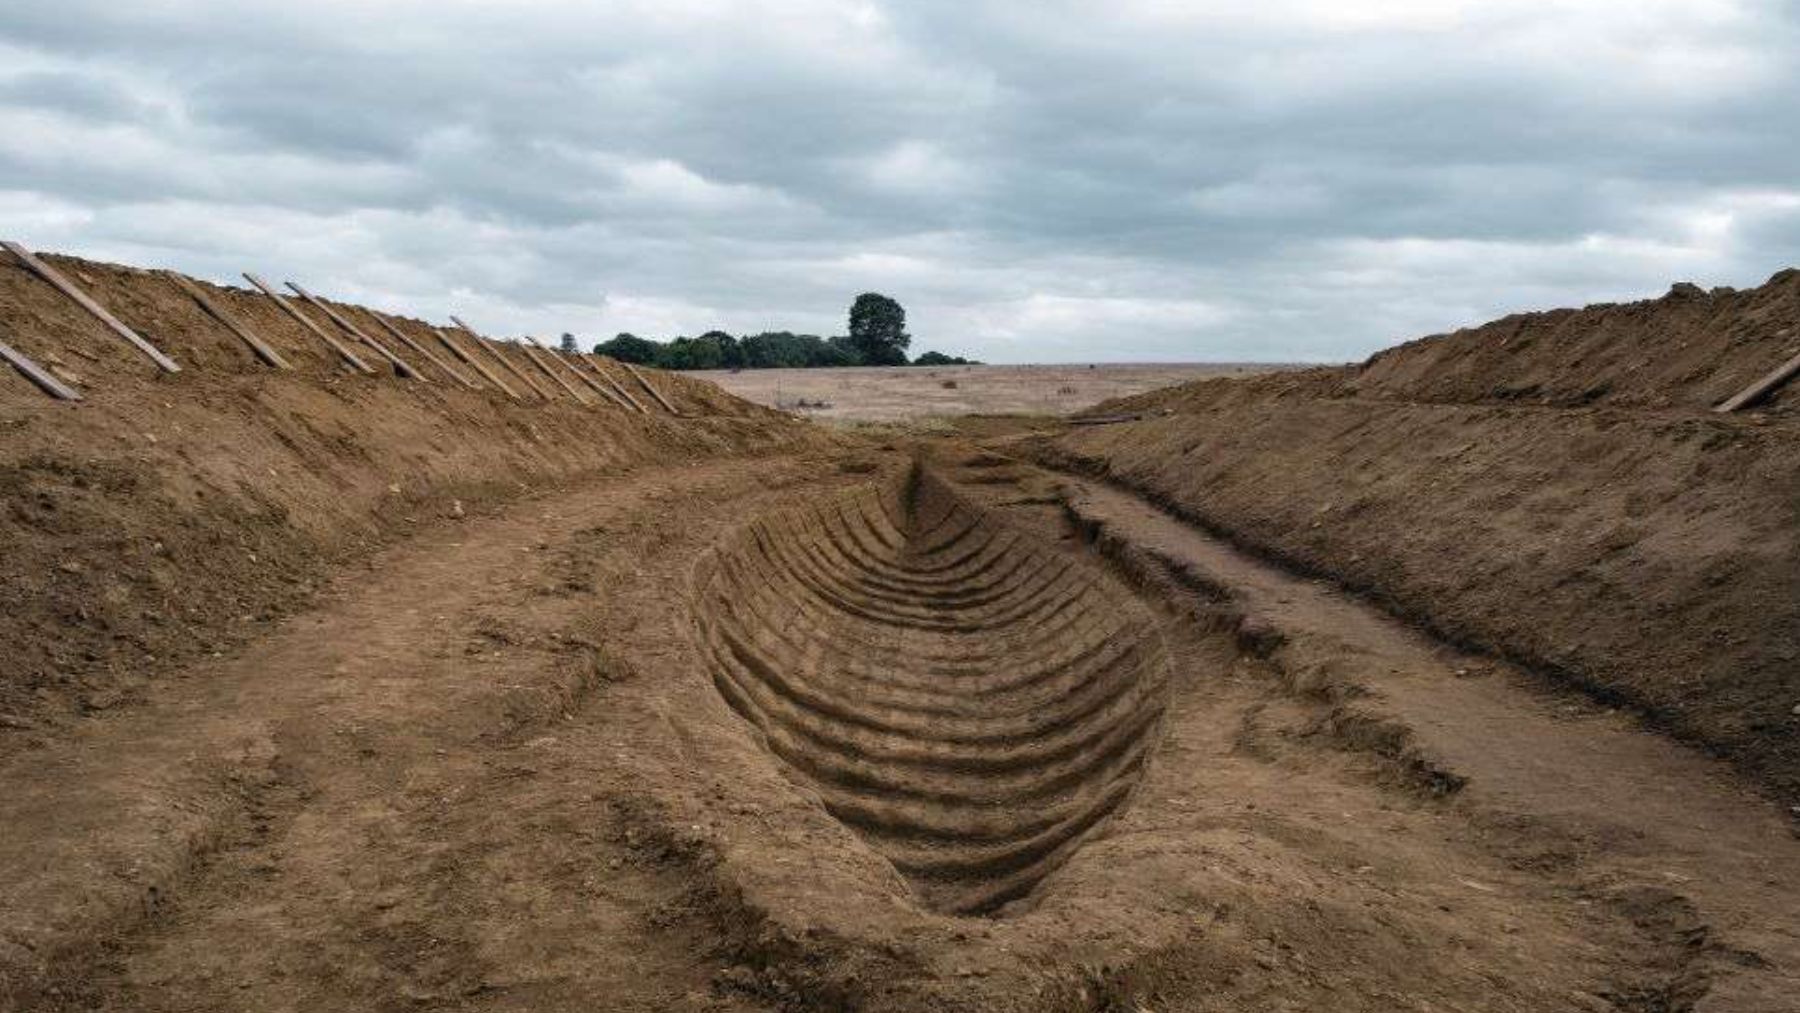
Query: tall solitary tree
{"points": [[878, 330]]}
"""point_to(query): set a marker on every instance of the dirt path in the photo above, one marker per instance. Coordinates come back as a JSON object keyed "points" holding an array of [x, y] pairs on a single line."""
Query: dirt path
{"points": [[1626, 810], [319, 822]]}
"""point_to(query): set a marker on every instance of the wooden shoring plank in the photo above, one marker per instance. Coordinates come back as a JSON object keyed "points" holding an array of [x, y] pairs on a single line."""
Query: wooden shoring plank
{"points": [[38, 374], [606, 390], [498, 345], [620, 394], [425, 353], [476, 364], [541, 356], [485, 345], [493, 350], [400, 365], [1762, 388], [618, 389], [592, 383], [537, 360], [493, 345], [657, 394], [258, 347], [318, 332], [86, 302]]}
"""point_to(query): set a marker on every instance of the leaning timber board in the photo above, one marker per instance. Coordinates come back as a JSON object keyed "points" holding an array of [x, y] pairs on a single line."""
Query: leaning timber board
{"points": [[38, 374], [86, 302]]}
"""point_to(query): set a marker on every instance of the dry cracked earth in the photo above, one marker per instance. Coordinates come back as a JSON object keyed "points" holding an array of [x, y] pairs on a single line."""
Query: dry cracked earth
{"points": [[917, 727]]}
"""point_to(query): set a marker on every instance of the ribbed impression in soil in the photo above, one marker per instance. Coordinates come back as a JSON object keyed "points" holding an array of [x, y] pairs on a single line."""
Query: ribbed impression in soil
{"points": [[971, 701]]}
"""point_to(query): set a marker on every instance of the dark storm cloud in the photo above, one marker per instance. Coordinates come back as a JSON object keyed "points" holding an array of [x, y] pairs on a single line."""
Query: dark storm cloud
{"points": [[1048, 181]]}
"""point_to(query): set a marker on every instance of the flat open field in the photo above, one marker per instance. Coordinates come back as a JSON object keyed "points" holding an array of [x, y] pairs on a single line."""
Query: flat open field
{"points": [[896, 393]]}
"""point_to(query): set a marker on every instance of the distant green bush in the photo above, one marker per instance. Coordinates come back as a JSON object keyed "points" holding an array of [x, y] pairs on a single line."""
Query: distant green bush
{"points": [[940, 359], [878, 338]]}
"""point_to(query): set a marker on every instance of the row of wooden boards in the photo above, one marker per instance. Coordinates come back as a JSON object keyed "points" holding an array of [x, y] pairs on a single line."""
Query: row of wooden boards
{"points": [[592, 382]]}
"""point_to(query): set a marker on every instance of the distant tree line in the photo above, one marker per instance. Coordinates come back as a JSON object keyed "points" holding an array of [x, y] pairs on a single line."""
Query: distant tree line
{"points": [[877, 338]]}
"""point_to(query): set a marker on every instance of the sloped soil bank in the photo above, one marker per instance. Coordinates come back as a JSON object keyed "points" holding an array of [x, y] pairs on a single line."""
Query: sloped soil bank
{"points": [[1689, 349], [168, 517], [1650, 555]]}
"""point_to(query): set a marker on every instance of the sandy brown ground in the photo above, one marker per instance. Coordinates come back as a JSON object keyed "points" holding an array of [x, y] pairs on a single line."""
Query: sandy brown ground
{"points": [[165, 517], [890, 394], [1651, 555], [489, 772], [328, 693]]}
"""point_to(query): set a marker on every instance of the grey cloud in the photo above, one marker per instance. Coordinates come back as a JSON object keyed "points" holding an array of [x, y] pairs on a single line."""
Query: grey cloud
{"points": [[1031, 181], [84, 95]]}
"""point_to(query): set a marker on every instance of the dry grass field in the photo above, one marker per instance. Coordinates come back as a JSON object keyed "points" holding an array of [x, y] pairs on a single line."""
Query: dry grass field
{"points": [[898, 393]]}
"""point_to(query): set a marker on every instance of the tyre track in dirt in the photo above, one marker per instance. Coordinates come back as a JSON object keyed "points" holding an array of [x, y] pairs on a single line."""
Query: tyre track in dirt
{"points": [[318, 822], [1660, 833]]}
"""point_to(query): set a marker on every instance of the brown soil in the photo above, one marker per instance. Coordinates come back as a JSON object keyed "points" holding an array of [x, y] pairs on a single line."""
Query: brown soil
{"points": [[1689, 349], [971, 702], [730, 713], [166, 518], [1648, 554]]}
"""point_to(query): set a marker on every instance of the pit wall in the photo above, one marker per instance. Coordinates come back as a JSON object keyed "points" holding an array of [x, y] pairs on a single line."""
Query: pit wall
{"points": [[962, 695], [1643, 548], [167, 517]]}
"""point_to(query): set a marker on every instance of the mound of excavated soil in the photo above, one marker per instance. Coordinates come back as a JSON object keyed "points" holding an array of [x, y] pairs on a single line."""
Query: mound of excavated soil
{"points": [[1616, 533], [167, 517], [1689, 349]]}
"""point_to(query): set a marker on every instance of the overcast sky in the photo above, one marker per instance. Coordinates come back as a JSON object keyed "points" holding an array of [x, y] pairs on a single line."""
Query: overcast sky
{"points": [[1033, 180]]}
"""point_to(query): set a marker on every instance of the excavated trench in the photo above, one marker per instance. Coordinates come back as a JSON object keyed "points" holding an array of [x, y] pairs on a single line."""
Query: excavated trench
{"points": [[968, 698]]}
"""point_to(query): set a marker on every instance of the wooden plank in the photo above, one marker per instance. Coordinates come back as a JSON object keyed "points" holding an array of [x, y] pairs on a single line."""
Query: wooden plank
{"points": [[493, 348], [1101, 420], [425, 353], [335, 345], [1762, 388], [538, 355], [607, 388], [594, 364], [481, 342], [82, 299], [400, 365], [38, 374], [657, 394], [258, 347], [537, 359], [505, 363], [620, 393], [498, 346], [476, 364], [592, 383]]}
